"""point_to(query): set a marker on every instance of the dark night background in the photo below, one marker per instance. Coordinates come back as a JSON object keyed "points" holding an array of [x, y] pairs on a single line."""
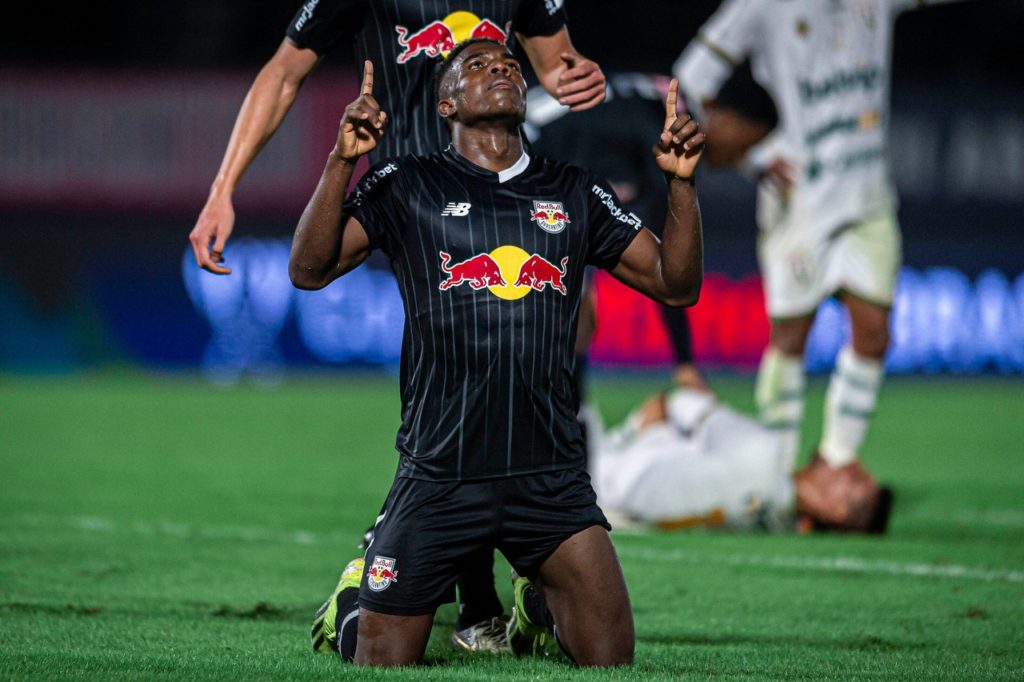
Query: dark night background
{"points": [[74, 238]]}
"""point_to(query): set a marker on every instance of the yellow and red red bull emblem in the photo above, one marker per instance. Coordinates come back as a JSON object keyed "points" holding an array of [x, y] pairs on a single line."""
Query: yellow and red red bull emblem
{"points": [[440, 37], [381, 573], [508, 272], [550, 216]]}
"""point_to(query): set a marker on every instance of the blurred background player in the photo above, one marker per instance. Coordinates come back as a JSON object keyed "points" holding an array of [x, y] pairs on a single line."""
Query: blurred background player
{"points": [[683, 459], [404, 40], [826, 209]]}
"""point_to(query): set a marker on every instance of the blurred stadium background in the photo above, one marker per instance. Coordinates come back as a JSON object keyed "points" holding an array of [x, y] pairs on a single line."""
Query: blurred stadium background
{"points": [[112, 126], [144, 515]]}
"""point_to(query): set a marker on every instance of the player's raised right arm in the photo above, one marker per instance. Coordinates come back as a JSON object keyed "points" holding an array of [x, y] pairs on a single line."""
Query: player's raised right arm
{"points": [[328, 244], [268, 101]]}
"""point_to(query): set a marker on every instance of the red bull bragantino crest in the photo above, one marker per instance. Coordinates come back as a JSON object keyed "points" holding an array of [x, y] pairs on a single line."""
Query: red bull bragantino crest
{"points": [[381, 573], [440, 37], [550, 216], [508, 272]]}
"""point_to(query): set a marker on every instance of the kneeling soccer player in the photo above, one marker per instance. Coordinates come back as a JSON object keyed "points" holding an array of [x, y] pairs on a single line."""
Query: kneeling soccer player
{"points": [[489, 247]]}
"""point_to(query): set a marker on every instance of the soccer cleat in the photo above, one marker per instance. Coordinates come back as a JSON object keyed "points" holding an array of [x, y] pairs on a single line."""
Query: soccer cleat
{"points": [[325, 627], [845, 498], [525, 638], [488, 635]]}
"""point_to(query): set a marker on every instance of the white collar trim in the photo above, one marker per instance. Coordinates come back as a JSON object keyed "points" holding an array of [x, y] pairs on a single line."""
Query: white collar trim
{"points": [[515, 169]]}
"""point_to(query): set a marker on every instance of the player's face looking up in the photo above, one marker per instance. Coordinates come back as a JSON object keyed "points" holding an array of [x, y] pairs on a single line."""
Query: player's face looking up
{"points": [[484, 83]]}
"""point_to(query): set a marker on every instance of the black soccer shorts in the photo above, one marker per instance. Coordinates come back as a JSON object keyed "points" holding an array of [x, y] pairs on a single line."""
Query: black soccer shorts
{"points": [[427, 530]]}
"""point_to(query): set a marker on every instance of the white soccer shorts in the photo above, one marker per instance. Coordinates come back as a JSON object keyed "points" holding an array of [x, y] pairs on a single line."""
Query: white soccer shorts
{"points": [[801, 267]]}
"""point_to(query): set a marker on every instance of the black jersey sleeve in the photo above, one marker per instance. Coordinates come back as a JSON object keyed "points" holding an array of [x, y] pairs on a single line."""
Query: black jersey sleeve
{"points": [[539, 17], [610, 229], [378, 203], [319, 25]]}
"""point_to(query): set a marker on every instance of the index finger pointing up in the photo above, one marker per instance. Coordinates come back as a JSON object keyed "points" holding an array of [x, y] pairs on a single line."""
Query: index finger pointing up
{"points": [[671, 101], [367, 88]]}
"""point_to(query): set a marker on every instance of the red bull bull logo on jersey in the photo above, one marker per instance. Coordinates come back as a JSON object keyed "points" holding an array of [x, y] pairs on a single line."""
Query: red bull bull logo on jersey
{"points": [[440, 37], [550, 216], [381, 573], [508, 272], [478, 272]]}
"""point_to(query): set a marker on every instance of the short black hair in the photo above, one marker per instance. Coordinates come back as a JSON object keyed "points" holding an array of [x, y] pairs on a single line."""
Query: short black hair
{"points": [[445, 65]]}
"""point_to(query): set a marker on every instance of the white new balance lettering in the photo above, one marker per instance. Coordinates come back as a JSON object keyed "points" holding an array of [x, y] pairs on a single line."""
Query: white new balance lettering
{"points": [[456, 209]]}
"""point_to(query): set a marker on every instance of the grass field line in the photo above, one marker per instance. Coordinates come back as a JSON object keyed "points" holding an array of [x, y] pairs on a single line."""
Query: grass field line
{"points": [[627, 549], [836, 564], [95, 524], [1005, 518]]}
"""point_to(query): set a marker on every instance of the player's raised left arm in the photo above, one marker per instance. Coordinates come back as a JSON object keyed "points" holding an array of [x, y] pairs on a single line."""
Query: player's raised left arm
{"points": [[566, 75], [671, 271], [328, 243]]}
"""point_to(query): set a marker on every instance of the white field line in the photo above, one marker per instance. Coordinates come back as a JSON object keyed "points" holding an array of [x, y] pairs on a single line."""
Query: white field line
{"points": [[95, 524], [834, 564], [1004, 518], [627, 550]]}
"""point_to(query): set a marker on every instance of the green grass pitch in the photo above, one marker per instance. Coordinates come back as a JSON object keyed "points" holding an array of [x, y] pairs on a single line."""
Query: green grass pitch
{"points": [[160, 528]]}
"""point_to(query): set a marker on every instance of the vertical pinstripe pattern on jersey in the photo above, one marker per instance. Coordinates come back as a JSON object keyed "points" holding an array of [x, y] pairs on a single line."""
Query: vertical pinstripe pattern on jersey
{"points": [[489, 308], [485, 427], [520, 318], [425, 254], [448, 323], [534, 302], [470, 229], [541, 246], [447, 341], [516, 317], [494, 323]]}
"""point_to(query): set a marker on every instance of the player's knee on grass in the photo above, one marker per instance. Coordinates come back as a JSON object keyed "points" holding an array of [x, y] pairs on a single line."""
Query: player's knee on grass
{"points": [[584, 588], [388, 641]]}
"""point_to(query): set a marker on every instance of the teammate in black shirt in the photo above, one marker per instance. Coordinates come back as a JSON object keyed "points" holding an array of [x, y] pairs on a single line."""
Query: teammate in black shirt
{"points": [[404, 39], [489, 247]]}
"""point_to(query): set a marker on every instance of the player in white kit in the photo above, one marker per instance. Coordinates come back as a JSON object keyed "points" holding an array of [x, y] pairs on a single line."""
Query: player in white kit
{"points": [[683, 459], [826, 209]]}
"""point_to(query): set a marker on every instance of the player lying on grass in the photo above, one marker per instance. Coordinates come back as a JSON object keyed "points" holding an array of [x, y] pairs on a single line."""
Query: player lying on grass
{"points": [[489, 247], [684, 459]]}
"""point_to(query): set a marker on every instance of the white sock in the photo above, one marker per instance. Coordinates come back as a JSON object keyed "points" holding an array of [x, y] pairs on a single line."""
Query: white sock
{"points": [[780, 397], [849, 404]]}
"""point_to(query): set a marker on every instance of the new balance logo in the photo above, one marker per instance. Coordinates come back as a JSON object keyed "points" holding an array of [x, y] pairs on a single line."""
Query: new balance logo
{"points": [[456, 209]]}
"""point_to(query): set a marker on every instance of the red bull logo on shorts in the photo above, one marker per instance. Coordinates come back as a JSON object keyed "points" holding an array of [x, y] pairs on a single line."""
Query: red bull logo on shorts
{"points": [[438, 38], [508, 272], [382, 573], [550, 216]]}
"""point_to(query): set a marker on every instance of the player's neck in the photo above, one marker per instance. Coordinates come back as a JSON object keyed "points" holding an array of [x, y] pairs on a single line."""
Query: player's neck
{"points": [[492, 148]]}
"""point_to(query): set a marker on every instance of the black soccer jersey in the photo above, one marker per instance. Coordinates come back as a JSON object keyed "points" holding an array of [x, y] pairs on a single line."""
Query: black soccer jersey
{"points": [[490, 268], [405, 39]]}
